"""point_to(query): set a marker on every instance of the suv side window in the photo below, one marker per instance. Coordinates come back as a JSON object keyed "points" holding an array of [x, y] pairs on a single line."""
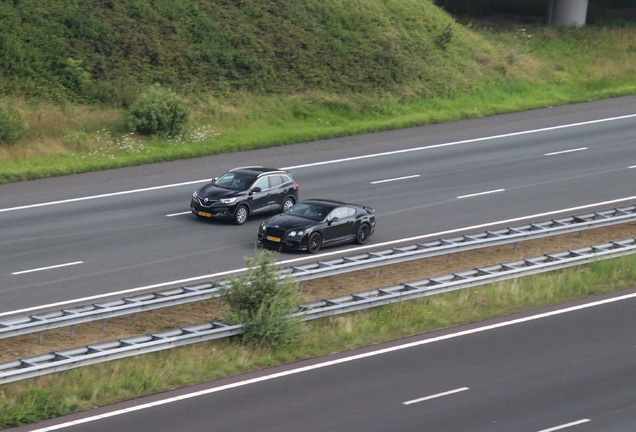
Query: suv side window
{"points": [[262, 183], [285, 178], [275, 181]]}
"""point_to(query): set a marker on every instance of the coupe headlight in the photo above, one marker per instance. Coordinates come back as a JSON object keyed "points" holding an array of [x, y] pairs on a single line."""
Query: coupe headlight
{"points": [[228, 200], [294, 233], [261, 228]]}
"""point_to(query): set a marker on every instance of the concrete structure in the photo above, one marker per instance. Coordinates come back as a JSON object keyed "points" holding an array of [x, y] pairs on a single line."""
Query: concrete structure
{"points": [[568, 12]]}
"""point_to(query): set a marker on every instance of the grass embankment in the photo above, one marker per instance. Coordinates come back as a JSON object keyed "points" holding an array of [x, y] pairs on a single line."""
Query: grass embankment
{"points": [[53, 395], [405, 64]]}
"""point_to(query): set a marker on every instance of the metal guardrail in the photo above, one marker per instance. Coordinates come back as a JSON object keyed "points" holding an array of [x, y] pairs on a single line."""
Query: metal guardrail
{"points": [[463, 243], [100, 311], [72, 358], [129, 306], [468, 279], [96, 353]]}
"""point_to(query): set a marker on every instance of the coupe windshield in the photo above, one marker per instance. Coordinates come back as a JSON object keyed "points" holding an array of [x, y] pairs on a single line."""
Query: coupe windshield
{"points": [[235, 181], [308, 211]]}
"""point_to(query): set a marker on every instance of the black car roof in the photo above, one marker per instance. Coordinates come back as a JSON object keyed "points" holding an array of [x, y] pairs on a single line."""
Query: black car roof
{"points": [[327, 203], [257, 170]]}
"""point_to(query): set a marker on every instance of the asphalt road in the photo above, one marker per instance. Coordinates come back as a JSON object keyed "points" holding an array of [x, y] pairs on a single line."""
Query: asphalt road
{"points": [[569, 367], [88, 235]]}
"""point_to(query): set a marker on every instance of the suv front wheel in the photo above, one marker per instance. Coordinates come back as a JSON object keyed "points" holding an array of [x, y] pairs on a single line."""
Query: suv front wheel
{"points": [[240, 215]]}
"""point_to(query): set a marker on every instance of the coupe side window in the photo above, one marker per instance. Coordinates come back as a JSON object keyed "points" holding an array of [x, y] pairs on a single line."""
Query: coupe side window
{"points": [[340, 213]]}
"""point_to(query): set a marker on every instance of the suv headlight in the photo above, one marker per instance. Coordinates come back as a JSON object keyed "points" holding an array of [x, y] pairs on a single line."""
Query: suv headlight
{"points": [[194, 194], [228, 200]]}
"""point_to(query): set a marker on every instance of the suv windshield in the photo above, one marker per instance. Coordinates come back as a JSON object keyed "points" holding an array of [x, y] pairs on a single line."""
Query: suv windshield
{"points": [[235, 181]]}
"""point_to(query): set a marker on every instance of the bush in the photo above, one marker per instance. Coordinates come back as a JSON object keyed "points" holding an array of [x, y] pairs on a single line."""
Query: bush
{"points": [[263, 303], [159, 111], [11, 126]]}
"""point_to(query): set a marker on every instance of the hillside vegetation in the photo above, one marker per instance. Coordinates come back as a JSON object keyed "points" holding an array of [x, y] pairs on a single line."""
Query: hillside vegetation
{"points": [[104, 50], [258, 73]]}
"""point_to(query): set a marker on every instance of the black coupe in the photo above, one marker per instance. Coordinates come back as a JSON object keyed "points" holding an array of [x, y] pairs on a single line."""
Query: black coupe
{"points": [[312, 224]]}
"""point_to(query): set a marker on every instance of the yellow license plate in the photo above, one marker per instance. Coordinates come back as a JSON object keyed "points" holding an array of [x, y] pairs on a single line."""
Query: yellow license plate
{"points": [[205, 214], [270, 238]]}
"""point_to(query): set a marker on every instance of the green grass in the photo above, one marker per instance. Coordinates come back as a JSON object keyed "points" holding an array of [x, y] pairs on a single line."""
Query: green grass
{"points": [[48, 396]]}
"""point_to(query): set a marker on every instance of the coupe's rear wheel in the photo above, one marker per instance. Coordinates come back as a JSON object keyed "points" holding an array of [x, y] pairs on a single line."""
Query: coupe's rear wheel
{"points": [[287, 204], [363, 234], [240, 215], [314, 243]]}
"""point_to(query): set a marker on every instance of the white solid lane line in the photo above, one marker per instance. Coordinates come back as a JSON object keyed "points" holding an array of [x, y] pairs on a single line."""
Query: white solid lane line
{"points": [[481, 193], [343, 360], [435, 396], [317, 257], [395, 179], [462, 142], [565, 151], [334, 161], [633, 166], [101, 196], [576, 423], [47, 268]]}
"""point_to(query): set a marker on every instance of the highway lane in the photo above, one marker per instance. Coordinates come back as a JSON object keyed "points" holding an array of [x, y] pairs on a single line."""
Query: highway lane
{"points": [[461, 174], [569, 366]]}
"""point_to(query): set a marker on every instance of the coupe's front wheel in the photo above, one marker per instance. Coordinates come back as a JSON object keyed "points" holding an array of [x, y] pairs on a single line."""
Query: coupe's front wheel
{"points": [[363, 234], [287, 204], [240, 215], [314, 243]]}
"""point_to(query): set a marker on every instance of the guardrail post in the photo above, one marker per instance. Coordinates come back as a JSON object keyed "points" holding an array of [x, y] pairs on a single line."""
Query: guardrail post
{"points": [[448, 258], [514, 249], [377, 271], [40, 338], [104, 325], [134, 319], [72, 332]]}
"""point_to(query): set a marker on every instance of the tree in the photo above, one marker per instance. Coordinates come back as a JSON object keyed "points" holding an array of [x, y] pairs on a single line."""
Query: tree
{"points": [[264, 303]]}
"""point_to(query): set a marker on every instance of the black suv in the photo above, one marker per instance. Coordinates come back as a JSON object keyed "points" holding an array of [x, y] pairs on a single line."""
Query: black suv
{"points": [[244, 191]]}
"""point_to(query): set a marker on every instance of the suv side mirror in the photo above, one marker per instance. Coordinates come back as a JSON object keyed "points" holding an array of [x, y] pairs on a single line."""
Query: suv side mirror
{"points": [[256, 189]]}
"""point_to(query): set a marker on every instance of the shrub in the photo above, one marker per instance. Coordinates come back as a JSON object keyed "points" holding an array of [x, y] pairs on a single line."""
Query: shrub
{"points": [[263, 303], [11, 126], [159, 111]]}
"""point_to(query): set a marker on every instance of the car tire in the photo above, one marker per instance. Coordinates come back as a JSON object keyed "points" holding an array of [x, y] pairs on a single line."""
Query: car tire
{"points": [[313, 243], [363, 234], [287, 204], [240, 215]]}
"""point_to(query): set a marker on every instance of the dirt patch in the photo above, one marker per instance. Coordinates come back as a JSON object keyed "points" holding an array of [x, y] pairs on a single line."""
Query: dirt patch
{"points": [[210, 310]]}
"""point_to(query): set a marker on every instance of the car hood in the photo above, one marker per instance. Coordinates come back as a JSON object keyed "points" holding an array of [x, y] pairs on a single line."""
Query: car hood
{"points": [[211, 191], [289, 222]]}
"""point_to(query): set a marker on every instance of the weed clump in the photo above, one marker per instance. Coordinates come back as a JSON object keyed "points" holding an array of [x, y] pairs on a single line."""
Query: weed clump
{"points": [[263, 303], [11, 126]]}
